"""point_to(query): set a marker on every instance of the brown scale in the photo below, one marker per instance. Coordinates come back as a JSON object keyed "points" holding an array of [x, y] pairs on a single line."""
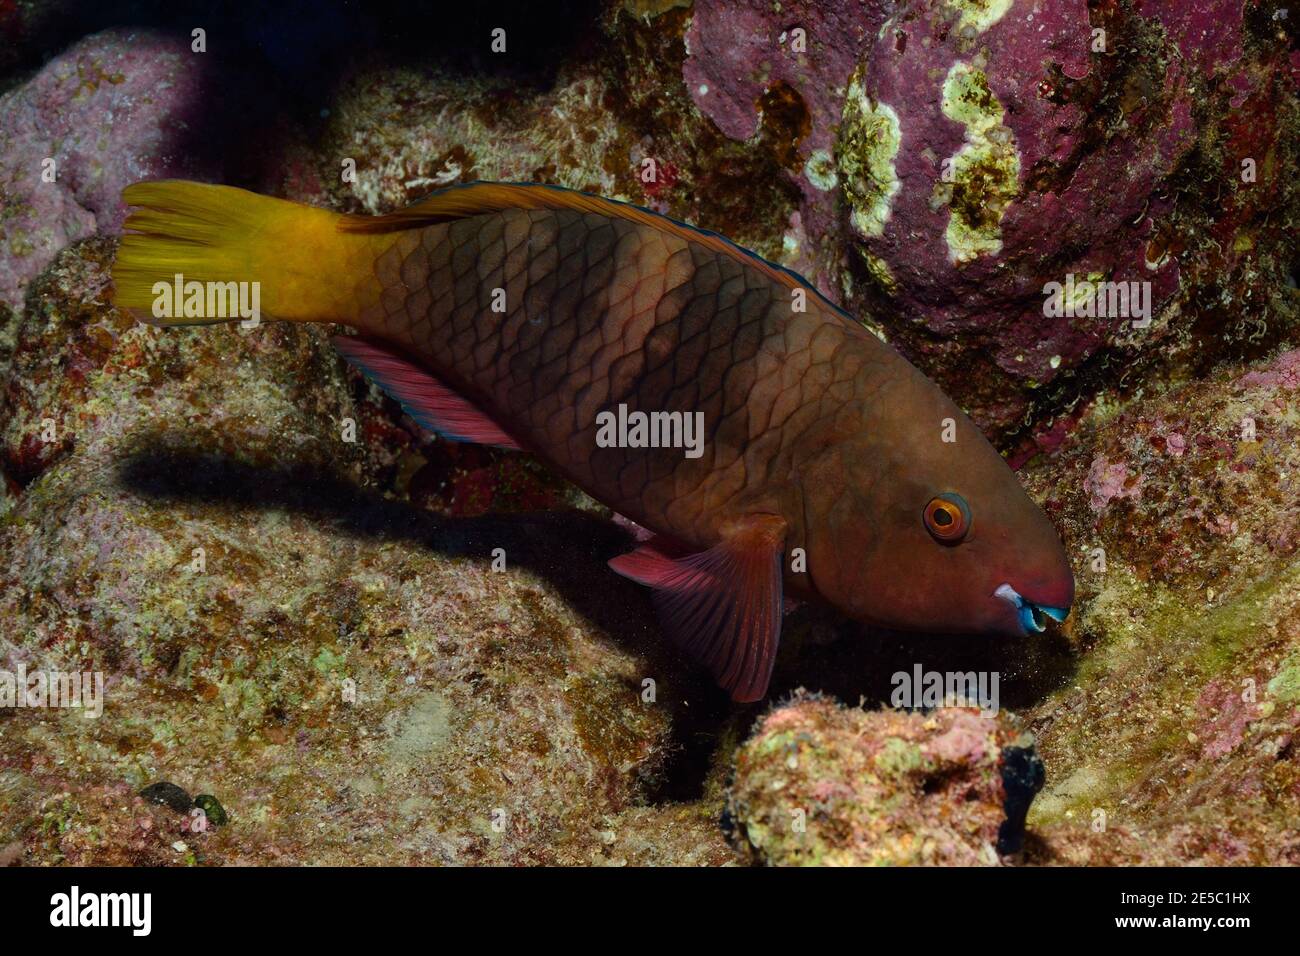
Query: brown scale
{"points": [[602, 312]]}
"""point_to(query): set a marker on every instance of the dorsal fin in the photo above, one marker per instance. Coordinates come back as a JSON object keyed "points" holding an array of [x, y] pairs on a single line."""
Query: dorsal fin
{"points": [[479, 198]]}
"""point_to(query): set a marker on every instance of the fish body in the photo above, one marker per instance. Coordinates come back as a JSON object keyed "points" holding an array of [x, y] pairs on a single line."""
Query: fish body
{"points": [[602, 313], [825, 464]]}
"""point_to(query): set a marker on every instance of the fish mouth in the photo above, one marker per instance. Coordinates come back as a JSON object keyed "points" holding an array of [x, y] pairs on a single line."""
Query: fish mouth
{"points": [[1033, 617]]}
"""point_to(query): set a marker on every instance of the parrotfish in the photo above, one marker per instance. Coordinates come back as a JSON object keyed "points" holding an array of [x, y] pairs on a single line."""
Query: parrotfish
{"points": [[595, 334]]}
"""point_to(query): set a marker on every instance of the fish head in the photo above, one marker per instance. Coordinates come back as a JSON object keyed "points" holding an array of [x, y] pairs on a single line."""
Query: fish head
{"points": [[933, 532]]}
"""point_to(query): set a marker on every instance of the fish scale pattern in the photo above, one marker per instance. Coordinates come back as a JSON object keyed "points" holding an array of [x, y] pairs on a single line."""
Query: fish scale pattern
{"points": [[547, 317]]}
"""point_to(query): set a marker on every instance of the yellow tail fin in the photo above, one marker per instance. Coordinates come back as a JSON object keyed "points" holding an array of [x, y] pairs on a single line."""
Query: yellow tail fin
{"points": [[196, 254]]}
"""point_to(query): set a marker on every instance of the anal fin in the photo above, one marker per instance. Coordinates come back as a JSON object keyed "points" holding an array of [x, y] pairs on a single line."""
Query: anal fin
{"points": [[723, 605], [426, 399]]}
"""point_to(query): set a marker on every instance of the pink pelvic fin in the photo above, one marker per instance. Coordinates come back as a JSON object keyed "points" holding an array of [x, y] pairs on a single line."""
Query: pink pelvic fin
{"points": [[722, 605], [426, 399]]}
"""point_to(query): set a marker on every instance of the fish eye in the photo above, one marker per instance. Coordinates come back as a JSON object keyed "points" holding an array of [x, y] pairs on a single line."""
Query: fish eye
{"points": [[947, 518]]}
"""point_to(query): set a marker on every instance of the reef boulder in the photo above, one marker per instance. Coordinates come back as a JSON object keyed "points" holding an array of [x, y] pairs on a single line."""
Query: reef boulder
{"points": [[983, 151], [112, 109], [820, 783]]}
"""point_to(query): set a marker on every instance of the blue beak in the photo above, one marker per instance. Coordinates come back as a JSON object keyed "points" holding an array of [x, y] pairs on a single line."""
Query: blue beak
{"points": [[1033, 617]]}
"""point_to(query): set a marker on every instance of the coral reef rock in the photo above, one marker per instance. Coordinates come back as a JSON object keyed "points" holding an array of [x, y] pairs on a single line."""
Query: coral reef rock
{"points": [[974, 153], [820, 783], [355, 643], [113, 109], [1182, 511]]}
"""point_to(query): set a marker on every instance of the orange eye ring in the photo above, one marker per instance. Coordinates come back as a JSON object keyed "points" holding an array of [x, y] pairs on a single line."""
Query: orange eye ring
{"points": [[947, 518]]}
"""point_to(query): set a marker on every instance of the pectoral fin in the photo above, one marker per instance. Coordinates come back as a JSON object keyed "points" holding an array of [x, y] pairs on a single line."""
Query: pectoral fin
{"points": [[723, 605], [427, 400]]}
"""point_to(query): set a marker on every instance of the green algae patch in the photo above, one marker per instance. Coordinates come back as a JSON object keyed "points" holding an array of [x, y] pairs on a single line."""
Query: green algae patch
{"points": [[983, 176], [327, 662], [1158, 686], [968, 100], [978, 15], [615, 728], [820, 170], [880, 273], [1285, 686], [898, 758], [869, 138]]}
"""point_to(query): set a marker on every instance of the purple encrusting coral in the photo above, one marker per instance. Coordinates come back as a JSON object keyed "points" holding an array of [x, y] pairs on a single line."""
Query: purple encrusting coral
{"points": [[739, 51], [751, 58], [1000, 181], [986, 149]]}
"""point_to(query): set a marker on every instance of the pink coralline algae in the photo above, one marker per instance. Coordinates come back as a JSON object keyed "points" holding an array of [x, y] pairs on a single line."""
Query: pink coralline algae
{"points": [[739, 50], [1283, 373], [1108, 481], [1208, 34], [110, 110], [1230, 711], [966, 741], [823, 784]]}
